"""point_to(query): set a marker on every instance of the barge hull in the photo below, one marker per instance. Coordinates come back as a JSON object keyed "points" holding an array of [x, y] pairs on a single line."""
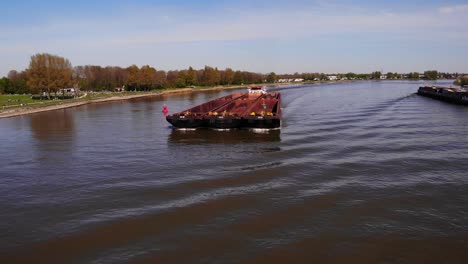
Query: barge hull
{"points": [[450, 95], [264, 123], [238, 110]]}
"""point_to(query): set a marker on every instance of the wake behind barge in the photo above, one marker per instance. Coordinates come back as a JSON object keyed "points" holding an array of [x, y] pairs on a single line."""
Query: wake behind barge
{"points": [[451, 95], [255, 109]]}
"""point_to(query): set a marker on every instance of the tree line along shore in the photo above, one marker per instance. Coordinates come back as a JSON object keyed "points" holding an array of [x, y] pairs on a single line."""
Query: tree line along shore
{"points": [[51, 76]]}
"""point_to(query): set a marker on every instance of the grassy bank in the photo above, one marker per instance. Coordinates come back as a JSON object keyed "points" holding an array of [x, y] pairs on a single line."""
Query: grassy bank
{"points": [[11, 101], [14, 99], [14, 105]]}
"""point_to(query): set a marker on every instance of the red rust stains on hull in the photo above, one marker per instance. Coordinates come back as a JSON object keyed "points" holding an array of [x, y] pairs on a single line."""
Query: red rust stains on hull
{"points": [[258, 110]]}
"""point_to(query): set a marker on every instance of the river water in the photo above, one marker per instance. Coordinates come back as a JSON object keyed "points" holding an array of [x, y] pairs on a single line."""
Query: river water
{"points": [[362, 172]]}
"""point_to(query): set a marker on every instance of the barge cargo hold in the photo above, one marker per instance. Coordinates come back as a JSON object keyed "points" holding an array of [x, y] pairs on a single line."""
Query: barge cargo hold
{"points": [[251, 110], [448, 94]]}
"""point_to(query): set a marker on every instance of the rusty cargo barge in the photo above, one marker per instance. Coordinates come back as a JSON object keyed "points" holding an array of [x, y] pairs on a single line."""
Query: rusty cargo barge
{"points": [[448, 94], [256, 109]]}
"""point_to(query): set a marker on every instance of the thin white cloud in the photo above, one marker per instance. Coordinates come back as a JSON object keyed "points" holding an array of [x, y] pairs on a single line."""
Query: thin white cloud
{"points": [[156, 26], [453, 9], [286, 24], [131, 29]]}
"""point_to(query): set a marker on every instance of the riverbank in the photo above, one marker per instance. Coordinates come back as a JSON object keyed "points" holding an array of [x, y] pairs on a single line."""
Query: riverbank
{"points": [[101, 98], [51, 106]]}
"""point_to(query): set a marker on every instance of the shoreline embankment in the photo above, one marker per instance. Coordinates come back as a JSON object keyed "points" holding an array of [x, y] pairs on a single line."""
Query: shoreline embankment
{"points": [[26, 110], [29, 109]]}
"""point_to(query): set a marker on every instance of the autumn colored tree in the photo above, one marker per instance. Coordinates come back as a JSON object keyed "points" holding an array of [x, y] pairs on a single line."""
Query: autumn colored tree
{"points": [[227, 76], [4, 85], [113, 77], [431, 75], [171, 78], [95, 75], [216, 76], [191, 77], [97, 78], [133, 75], [247, 77], [181, 80], [210, 76], [160, 80], [376, 75], [49, 73], [238, 78], [146, 77], [17, 83], [79, 76], [413, 75], [271, 78], [464, 80], [350, 75]]}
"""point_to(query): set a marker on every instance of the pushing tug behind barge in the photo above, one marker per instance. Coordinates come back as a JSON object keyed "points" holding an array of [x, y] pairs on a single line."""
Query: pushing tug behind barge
{"points": [[448, 94], [256, 109]]}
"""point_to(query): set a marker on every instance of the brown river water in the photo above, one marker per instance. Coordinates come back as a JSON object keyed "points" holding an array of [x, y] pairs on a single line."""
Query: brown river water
{"points": [[362, 172]]}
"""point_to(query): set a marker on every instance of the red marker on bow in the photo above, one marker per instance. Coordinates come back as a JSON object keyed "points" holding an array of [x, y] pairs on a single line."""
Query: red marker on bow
{"points": [[165, 110]]}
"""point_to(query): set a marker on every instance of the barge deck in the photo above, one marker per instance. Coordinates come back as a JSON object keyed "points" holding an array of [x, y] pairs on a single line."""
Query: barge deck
{"points": [[254, 109], [448, 94]]}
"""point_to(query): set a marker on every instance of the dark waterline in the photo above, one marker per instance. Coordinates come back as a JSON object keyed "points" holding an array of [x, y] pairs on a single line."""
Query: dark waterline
{"points": [[360, 172]]}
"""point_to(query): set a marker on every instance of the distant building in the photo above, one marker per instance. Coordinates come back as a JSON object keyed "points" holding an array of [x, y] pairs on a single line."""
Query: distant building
{"points": [[298, 80], [67, 91], [119, 89], [383, 77], [332, 78]]}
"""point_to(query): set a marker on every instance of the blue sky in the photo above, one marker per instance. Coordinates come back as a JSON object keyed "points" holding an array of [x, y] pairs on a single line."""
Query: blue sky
{"points": [[261, 36]]}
